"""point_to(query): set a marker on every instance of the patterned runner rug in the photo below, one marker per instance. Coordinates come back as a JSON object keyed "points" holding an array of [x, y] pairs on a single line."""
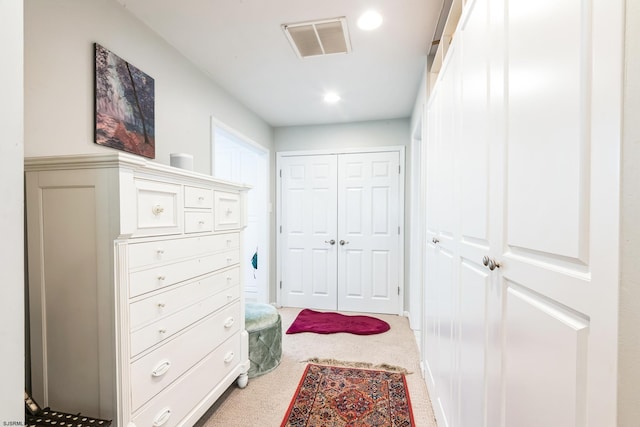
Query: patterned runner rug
{"points": [[335, 396]]}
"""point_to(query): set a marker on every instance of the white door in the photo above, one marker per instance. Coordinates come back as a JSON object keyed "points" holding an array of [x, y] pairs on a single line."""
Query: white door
{"points": [[441, 232], [340, 239], [237, 160], [309, 231], [522, 273], [560, 246], [368, 232], [479, 223]]}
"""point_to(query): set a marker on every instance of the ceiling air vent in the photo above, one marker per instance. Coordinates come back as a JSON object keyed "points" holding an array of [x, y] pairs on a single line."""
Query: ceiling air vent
{"points": [[325, 37]]}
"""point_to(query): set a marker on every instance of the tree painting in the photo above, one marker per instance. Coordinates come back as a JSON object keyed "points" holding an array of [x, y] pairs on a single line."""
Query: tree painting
{"points": [[124, 105]]}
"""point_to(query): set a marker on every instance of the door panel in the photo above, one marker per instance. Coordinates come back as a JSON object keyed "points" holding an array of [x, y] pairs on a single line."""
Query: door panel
{"points": [[308, 225], [474, 292], [368, 221], [547, 339], [549, 136], [446, 375]]}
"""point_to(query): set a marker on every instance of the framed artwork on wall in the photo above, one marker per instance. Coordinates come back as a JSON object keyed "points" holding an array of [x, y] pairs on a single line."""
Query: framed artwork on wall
{"points": [[124, 103]]}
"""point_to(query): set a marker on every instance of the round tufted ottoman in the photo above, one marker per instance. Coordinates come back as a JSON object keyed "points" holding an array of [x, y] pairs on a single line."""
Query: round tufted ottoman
{"points": [[263, 323]]}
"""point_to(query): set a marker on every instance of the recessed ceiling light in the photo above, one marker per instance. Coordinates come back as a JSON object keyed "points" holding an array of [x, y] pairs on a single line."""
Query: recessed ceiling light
{"points": [[370, 20], [331, 97]]}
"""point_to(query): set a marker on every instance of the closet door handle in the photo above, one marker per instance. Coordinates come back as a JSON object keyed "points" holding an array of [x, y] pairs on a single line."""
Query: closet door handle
{"points": [[493, 264], [435, 241], [344, 242], [331, 242], [485, 260]]}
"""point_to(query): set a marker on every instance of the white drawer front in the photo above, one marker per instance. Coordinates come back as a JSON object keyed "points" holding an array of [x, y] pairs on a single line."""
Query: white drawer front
{"points": [[158, 208], [198, 222], [196, 197], [168, 326], [161, 276], [149, 253], [152, 373], [228, 210], [173, 404], [157, 306]]}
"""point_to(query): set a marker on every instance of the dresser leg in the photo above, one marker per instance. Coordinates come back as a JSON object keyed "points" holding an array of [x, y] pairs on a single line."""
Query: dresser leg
{"points": [[243, 379]]}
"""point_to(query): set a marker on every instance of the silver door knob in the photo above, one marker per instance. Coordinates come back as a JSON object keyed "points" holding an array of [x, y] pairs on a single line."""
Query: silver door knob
{"points": [[485, 260], [331, 242], [435, 241], [344, 242], [493, 264]]}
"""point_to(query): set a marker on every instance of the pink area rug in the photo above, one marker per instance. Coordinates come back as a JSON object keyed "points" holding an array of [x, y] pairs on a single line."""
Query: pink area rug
{"points": [[331, 323]]}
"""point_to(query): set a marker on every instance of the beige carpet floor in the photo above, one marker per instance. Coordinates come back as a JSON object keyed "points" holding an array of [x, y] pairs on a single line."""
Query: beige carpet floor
{"points": [[264, 402]]}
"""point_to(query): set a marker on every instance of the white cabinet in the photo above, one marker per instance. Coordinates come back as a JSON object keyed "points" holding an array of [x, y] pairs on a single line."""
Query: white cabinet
{"points": [[136, 309], [523, 154]]}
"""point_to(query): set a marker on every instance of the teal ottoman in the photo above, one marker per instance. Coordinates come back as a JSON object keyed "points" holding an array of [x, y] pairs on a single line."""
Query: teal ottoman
{"points": [[263, 323]]}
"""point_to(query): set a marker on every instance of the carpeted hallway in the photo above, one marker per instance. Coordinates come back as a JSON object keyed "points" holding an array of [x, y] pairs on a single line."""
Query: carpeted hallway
{"points": [[264, 402]]}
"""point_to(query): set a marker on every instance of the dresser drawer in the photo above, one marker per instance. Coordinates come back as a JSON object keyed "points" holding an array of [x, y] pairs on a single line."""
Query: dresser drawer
{"points": [[198, 222], [152, 373], [196, 197], [227, 210], [168, 326], [158, 207], [166, 303], [161, 276], [173, 404], [149, 253]]}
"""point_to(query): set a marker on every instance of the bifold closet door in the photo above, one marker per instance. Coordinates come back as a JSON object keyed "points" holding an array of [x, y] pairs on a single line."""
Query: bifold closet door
{"points": [[309, 225], [368, 232]]}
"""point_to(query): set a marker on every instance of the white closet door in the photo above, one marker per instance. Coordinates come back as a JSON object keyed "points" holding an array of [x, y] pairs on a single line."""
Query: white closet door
{"points": [[478, 226], [368, 232], [309, 225], [447, 273], [560, 251], [527, 337]]}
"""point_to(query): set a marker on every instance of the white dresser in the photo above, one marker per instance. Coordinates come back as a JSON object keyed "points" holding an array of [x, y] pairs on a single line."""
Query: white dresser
{"points": [[135, 299]]}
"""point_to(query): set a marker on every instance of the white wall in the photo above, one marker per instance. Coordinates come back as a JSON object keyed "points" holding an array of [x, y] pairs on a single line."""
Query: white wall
{"points": [[59, 85], [629, 327], [11, 215], [345, 135], [376, 133], [59, 67]]}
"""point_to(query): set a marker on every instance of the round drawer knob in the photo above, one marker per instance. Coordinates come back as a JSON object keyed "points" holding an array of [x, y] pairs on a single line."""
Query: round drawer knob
{"points": [[229, 322]]}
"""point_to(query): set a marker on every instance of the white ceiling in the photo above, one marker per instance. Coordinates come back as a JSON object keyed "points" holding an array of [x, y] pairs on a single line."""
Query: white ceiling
{"points": [[241, 45]]}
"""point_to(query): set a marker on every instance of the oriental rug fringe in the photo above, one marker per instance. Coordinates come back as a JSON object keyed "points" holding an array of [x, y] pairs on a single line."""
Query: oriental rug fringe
{"points": [[363, 365]]}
